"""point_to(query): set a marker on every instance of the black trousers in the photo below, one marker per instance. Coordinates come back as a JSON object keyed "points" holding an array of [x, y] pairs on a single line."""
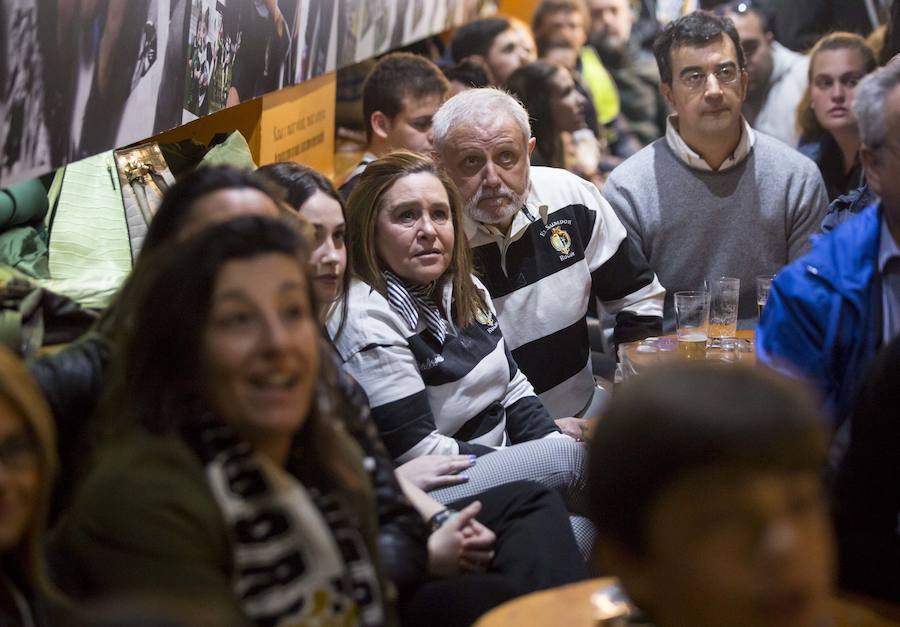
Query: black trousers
{"points": [[535, 550]]}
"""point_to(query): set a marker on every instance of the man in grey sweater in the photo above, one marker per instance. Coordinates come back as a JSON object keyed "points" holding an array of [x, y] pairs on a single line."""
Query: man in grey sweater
{"points": [[713, 198]]}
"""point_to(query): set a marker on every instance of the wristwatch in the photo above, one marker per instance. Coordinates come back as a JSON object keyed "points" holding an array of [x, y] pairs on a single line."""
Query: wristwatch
{"points": [[438, 520]]}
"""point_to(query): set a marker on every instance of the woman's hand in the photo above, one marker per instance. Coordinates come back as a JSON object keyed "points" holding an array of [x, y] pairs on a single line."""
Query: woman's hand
{"points": [[430, 472], [461, 545], [573, 427], [478, 548]]}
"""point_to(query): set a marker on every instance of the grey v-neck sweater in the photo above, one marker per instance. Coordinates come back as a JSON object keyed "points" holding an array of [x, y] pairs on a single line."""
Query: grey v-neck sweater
{"points": [[743, 222]]}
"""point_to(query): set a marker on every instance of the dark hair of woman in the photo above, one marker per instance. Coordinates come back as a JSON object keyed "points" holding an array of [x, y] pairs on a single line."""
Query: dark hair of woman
{"points": [[532, 84], [174, 212], [157, 380], [366, 202], [300, 183]]}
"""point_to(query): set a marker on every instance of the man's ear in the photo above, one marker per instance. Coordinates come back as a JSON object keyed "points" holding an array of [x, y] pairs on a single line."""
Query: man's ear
{"points": [[869, 161], [666, 90], [770, 37], [745, 80], [532, 142], [381, 124]]}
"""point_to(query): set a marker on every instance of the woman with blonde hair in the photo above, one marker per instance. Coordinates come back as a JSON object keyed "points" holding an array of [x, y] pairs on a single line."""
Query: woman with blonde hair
{"points": [[829, 134], [27, 470]]}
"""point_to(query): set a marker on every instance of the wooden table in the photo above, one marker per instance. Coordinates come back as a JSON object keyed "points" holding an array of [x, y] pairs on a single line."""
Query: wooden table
{"points": [[632, 359], [570, 606]]}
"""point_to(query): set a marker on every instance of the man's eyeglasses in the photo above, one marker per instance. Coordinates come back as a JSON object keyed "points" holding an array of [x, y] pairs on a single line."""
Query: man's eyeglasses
{"points": [[695, 80], [17, 452]]}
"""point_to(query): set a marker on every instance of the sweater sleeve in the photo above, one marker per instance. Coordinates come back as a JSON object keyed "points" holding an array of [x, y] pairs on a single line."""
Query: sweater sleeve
{"points": [[621, 277], [807, 213]]}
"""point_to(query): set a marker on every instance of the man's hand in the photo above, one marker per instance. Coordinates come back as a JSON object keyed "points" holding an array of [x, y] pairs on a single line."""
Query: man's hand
{"points": [[573, 427], [430, 472], [462, 544]]}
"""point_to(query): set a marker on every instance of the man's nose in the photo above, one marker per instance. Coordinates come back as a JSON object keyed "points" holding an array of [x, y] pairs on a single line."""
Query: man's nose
{"points": [[491, 178], [713, 87]]}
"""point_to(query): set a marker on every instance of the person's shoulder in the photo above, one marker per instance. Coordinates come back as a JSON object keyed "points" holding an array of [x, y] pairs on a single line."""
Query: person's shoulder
{"points": [[637, 170], [782, 157], [559, 189], [142, 461], [370, 320], [142, 481]]}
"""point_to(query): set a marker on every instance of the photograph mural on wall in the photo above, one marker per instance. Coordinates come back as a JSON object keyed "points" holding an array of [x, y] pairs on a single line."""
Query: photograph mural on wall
{"points": [[79, 77]]}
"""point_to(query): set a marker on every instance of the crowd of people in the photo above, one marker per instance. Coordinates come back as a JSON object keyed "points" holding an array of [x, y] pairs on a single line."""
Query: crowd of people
{"points": [[379, 404]]}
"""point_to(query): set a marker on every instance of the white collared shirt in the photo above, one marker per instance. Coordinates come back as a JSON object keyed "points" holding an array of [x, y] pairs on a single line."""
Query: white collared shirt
{"points": [[694, 160]]}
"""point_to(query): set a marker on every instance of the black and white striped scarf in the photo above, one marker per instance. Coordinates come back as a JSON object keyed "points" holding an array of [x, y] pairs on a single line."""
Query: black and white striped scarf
{"points": [[298, 557], [412, 301]]}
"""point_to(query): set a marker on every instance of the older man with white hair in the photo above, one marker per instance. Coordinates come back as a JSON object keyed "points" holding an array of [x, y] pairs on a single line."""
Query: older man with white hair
{"points": [[545, 242], [830, 310]]}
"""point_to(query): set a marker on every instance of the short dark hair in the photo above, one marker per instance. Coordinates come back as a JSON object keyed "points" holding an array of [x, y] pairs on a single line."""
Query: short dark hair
{"points": [[396, 76], [174, 211], [689, 416], [549, 7], [468, 72], [693, 29], [476, 38]]}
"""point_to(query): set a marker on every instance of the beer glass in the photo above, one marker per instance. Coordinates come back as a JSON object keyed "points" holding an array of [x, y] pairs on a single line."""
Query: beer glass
{"points": [[692, 322], [723, 310], [763, 285]]}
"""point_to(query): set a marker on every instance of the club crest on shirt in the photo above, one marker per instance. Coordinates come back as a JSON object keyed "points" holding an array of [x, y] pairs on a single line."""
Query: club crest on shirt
{"points": [[486, 318], [561, 242]]}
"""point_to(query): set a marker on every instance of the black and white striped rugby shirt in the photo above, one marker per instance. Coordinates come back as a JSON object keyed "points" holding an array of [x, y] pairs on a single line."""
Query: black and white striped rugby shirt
{"points": [[566, 244], [466, 396]]}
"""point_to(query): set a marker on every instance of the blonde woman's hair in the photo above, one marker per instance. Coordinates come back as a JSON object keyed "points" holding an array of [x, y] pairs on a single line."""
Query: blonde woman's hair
{"points": [[19, 389], [807, 124], [363, 206]]}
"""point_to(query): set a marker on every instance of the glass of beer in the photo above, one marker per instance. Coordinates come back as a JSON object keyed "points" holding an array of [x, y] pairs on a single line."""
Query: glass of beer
{"points": [[692, 322], [723, 310], [763, 285]]}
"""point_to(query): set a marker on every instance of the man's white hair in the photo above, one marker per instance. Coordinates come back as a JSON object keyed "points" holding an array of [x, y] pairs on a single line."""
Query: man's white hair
{"points": [[869, 103], [479, 107]]}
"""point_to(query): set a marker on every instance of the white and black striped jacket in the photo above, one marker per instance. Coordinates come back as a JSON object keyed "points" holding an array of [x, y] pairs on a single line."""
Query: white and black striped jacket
{"points": [[466, 396], [566, 245]]}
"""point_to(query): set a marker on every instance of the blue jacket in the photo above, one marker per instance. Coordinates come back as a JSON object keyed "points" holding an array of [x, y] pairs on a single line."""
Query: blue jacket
{"points": [[822, 321]]}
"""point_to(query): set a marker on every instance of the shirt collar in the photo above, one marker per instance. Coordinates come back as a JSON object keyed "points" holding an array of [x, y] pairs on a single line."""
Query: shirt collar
{"points": [[888, 248], [694, 160]]}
